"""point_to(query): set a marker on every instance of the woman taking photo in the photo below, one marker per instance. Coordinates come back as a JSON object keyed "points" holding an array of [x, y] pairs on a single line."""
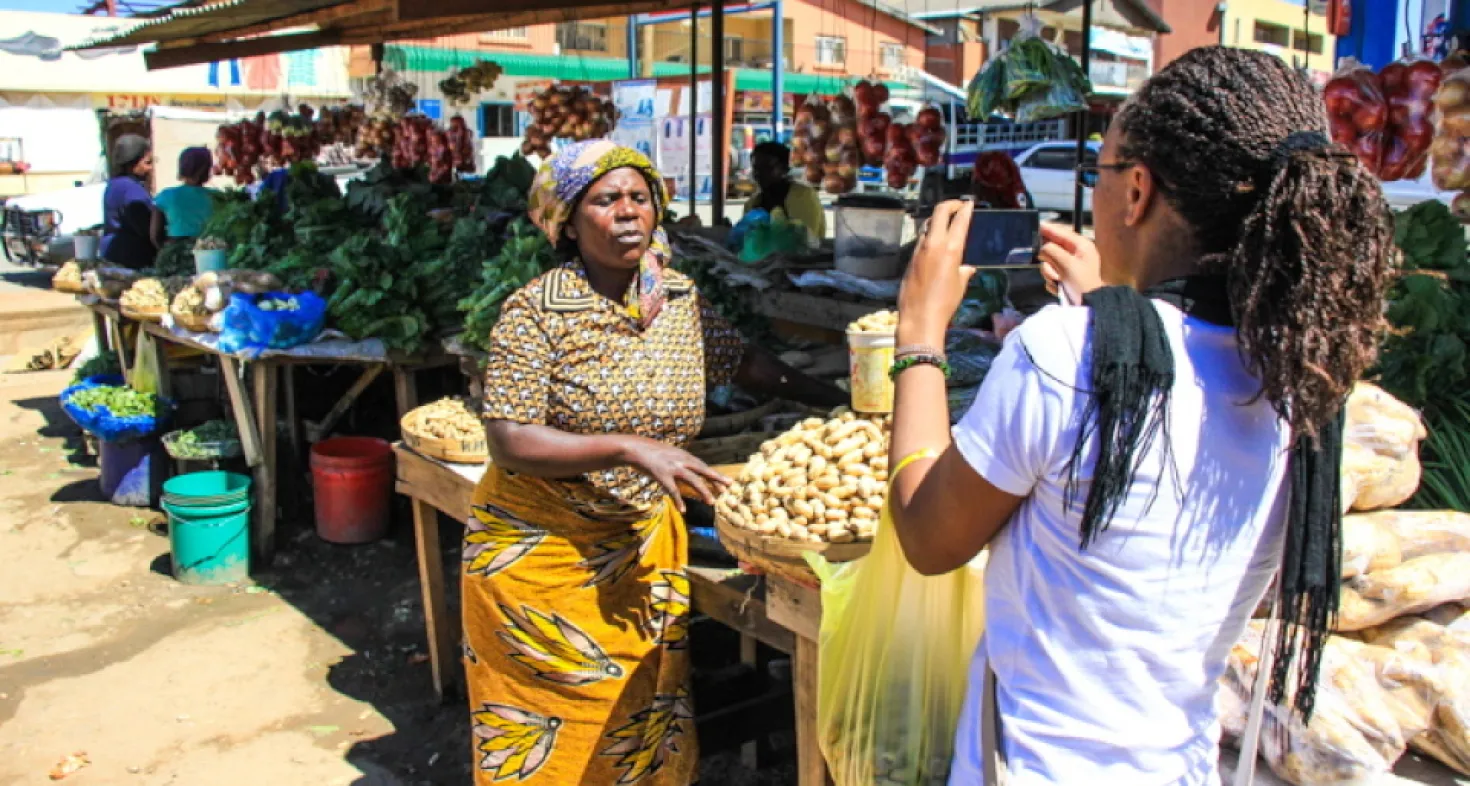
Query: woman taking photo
{"points": [[127, 208], [576, 603], [1142, 465]]}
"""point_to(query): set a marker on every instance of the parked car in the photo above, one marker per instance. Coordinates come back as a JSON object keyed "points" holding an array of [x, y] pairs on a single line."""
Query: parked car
{"points": [[1049, 171]]}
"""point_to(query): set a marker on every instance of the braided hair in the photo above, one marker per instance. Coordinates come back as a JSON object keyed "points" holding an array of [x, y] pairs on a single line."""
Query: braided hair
{"points": [[1299, 232]]}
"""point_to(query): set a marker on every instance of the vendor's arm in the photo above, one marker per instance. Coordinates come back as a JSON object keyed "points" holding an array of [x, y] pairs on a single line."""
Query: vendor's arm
{"points": [[944, 511], [517, 391]]}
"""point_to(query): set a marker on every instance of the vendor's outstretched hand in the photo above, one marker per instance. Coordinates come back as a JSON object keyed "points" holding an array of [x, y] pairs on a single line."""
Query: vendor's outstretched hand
{"points": [[936, 280]]}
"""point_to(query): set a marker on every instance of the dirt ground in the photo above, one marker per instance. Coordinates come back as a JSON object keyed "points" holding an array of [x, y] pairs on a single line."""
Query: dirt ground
{"points": [[313, 674]]}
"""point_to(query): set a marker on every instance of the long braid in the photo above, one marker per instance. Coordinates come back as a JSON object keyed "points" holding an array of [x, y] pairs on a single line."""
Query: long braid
{"points": [[1301, 234]]}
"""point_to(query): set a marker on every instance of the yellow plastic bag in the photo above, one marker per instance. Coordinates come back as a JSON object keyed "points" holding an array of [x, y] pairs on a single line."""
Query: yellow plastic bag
{"points": [[144, 378], [895, 657]]}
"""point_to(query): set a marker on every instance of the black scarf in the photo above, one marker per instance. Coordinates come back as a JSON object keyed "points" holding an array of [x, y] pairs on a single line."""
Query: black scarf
{"points": [[1132, 374]]}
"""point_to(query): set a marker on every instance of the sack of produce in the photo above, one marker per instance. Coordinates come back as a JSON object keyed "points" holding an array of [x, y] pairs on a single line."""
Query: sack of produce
{"points": [[894, 661], [1373, 542], [1030, 79], [1454, 617], [1380, 461], [1445, 654], [1413, 586], [1360, 726], [1409, 87], [272, 321], [1451, 149], [1367, 546], [109, 410]]}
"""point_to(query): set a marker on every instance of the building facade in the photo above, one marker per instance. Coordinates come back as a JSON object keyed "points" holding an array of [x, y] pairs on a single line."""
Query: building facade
{"points": [[1294, 30]]}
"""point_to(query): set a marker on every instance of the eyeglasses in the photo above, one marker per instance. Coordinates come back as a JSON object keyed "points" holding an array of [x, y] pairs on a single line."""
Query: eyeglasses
{"points": [[1088, 173]]}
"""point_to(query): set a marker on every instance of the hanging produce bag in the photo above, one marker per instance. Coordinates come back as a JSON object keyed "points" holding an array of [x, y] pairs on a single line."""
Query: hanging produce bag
{"points": [[1031, 79], [274, 320], [1385, 118], [1451, 148], [895, 655]]}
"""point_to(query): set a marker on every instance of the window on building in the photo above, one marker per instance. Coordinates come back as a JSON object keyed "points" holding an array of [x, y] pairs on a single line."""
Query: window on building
{"points": [[581, 37], [891, 57], [734, 49], [1311, 43], [831, 50], [498, 120], [1272, 35], [508, 34]]}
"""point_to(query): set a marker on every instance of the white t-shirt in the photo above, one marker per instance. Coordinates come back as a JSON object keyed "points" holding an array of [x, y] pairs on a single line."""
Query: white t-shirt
{"points": [[1106, 660]]}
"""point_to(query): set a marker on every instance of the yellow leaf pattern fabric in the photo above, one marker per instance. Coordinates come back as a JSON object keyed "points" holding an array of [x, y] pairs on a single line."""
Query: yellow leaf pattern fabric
{"points": [[577, 646]]}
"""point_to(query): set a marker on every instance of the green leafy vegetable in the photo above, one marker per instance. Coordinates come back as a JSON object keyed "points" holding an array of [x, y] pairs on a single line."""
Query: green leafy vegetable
{"points": [[106, 362], [525, 254], [1423, 360], [121, 401]]}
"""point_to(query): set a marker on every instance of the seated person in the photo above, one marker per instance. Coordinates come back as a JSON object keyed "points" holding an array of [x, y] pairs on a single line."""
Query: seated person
{"points": [[770, 167]]}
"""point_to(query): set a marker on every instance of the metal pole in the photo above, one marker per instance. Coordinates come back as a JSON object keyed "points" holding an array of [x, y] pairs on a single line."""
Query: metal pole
{"points": [[693, 180], [778, 67], [632, 22], [1306, 36], [1082, 116], [718, 156]]}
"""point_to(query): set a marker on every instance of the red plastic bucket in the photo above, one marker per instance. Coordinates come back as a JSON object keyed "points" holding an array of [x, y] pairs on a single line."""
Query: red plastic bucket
{"points": [[352, 478]]}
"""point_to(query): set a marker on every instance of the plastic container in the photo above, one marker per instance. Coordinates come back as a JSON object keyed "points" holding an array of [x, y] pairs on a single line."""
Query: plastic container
{"points": [[869, 359], [352, 480], [84, 247], [206, 489], [210, 544], [869, 234], [115, 459], [210, 259]]}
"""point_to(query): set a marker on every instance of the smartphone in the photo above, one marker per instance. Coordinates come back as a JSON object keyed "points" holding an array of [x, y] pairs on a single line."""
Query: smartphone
{"points": [[1003, 238]]}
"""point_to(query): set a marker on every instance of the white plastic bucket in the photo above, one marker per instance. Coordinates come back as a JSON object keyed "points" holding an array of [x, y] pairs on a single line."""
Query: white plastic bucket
{"points": [[85, 246], [869, 235], [210, 259], [870, 358]]}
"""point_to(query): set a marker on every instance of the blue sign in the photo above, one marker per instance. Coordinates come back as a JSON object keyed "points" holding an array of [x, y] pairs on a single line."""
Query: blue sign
{"points": [[432, 108]]}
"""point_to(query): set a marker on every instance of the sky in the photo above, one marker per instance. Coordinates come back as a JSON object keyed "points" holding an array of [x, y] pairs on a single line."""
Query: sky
{"points": [[55, 6]]}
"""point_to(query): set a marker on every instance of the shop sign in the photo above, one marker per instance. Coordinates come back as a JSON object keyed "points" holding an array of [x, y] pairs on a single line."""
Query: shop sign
{"points": [[139, 101]]}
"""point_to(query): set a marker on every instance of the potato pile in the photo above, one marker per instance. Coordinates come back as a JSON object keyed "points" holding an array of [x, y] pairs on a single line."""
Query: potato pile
{"points": [[876, 322], [822, 481], [146, 296], [449, 418]]}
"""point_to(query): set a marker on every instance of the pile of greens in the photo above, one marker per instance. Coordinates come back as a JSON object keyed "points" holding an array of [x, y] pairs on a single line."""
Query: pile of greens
{"points": [[121, 401], [525, 254], [1424, 359], [105, 362], [213, 439]]}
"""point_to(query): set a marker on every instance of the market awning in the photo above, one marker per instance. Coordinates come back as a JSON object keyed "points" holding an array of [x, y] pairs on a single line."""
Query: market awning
{"points": [[229, 29], [405, 57]]}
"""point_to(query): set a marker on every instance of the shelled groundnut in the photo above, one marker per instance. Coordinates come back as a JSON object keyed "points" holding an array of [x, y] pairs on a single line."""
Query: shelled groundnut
{"points": [[822, 481], [876, 322]]}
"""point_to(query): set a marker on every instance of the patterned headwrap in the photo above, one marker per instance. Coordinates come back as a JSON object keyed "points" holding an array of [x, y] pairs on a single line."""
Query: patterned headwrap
{"points": [[565, 178]]}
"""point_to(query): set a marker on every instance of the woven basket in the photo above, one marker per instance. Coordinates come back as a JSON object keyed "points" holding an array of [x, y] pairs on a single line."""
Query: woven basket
{"points": [[198, 323], [142, 316], [453, 451], [778, 556], [69, 287]]}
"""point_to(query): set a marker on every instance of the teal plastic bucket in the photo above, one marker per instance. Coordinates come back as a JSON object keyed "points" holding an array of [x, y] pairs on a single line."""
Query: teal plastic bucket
{"points": [[210, 544], [206, 489]]}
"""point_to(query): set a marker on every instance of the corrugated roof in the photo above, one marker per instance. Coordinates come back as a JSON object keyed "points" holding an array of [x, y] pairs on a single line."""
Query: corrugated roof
{"points": [[192, 21]]}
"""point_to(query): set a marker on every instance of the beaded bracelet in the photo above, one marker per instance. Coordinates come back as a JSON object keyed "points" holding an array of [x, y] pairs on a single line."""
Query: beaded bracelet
{"points": [[905, 363], [918, 349]]}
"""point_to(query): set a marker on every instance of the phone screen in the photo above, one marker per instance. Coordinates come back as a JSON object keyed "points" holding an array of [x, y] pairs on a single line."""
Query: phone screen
{"points": [[1003, 238]]}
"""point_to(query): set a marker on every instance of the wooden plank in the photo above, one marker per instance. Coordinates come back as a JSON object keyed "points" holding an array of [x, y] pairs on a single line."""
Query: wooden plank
{"points": [[405, 390], [794, 607], [293, 418], [208, 53], [813, 310], [266, 377], [426, 480], [244, 413], [160, 361], [734, 600], [750, 752], [442, 629], [811, 767], [317, 431]]}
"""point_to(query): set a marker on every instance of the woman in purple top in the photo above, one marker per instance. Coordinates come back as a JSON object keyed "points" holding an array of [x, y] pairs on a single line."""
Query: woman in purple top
{"points": [[127, 207]]}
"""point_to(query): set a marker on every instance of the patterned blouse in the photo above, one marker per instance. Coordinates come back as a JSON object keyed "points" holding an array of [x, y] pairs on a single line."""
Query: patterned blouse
{"points": [[566, 357]]}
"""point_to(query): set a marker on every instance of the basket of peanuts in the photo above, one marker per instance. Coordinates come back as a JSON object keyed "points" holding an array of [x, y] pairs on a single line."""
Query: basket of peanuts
{"points": [[817, 487]]}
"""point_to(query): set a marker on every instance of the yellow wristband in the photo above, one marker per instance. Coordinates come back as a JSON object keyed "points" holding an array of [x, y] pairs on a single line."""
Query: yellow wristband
{"points": [[922, 453]]}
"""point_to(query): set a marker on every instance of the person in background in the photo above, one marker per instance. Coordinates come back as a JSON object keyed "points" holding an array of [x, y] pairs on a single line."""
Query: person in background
{"points": [[180, 212], [1142, 463], [770, 167], [127, 207], [576, 600]]}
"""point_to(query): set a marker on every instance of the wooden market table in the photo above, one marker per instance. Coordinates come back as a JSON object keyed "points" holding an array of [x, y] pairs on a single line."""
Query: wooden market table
{"points": [[767, 609], [254, 405]]}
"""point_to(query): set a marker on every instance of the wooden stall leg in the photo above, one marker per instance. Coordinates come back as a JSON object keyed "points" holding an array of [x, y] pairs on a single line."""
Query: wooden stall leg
{"points": [[244, 413], [266, 378], [811, 768], [318, 431], [750, 752], [160, 359], [443, 631], [405, 390], [101, 331], [293, 420]]}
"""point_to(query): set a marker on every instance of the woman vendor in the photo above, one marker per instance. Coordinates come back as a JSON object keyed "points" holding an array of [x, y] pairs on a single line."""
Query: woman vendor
{"points": [[576, 603], [127, 207]]}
